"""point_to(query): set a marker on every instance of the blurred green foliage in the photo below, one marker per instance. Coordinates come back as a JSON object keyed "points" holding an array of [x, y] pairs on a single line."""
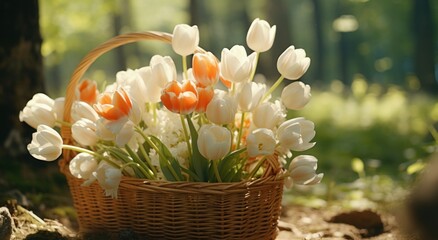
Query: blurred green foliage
{"points": [[388, 128], [359, 116]]}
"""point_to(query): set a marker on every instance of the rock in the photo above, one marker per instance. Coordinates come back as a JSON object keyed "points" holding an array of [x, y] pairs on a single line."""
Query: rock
{"points": [[6, 224]]}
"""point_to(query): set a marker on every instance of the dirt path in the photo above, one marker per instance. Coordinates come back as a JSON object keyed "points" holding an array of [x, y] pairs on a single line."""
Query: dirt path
{"points": [[297, 222]]}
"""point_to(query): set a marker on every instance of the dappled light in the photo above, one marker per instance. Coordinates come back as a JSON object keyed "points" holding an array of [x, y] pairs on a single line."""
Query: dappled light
{"points": [[354, 132]]}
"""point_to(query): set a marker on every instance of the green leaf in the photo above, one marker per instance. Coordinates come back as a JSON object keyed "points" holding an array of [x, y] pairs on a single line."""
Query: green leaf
{"points": [[145, 172], [200, 165], [229, 165], [169, 165]]}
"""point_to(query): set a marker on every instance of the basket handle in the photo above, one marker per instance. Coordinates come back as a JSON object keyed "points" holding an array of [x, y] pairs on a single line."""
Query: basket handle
{"points": [[89, 59]]}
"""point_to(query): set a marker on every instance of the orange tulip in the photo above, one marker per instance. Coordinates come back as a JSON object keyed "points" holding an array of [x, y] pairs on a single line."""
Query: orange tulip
{"points": [[204, 97], [205, 68], [113, 106], [87, 91], [180, 98], [225, 82]]}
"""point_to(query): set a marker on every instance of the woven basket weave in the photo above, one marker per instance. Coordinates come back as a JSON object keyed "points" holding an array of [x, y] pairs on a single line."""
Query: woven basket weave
{"points": [[172, 210]]}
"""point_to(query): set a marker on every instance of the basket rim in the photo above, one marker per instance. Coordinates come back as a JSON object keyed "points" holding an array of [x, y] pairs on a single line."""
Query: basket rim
{"points": [[215, 188]]}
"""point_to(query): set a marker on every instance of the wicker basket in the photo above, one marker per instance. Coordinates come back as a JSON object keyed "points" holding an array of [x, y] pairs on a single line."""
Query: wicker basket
{"points": [[172, 210]]}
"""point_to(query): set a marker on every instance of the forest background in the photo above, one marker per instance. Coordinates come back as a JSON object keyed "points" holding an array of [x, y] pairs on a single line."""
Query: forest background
{"points": [[373, 75]]}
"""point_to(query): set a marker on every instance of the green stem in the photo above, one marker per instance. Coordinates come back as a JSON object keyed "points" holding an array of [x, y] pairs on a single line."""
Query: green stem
{"points": [[186, 135], [64, 123], [254, 171], [152, 144], [142, 166], [129, 164], [184, 62], [153, 108], [148, 159], [95, 154], [276, 84], [254, 67], [239, 135], [216, 171], [79, 149]]}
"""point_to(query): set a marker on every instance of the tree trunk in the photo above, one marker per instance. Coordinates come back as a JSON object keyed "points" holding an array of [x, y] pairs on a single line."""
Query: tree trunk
{"points": [[194, 12], [278, 13], [318, 60], [120, 57], [424, 45], [21, 70]]}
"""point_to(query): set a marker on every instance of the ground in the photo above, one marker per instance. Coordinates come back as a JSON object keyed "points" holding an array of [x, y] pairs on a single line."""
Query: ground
{"points": [[297, 222]]}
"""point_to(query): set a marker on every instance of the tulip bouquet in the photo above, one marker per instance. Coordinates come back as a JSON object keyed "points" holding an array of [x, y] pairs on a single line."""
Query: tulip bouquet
{"points": [[215, 124]]}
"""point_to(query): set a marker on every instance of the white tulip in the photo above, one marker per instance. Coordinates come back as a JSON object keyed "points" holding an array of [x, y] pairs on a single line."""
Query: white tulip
{"points": [[58, 108], [163, 70], [125, 134], [250, 95], [81, 110], [295, 95], [39, 110], [302, 170], [83, 165], [153, 89], [134, 85], [185, 39], [109, 178], [260, 36], [268, 115], [293, 63], [235, 65], [295, 134], [84, 132], [214, 142], [46, 144], [103, 131], [222, 109], [261, 142]]}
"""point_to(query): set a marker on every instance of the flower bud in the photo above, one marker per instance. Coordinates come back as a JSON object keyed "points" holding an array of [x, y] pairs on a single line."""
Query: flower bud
{"points": [[39, 110], [185, 39], [295, 95], [180, 98], [83, 165], [302, 170], [81, 110], [250, 96], [260, 36], [260, 142], [109, 178], [293, 63], [205, 69], [163, 70], [87, 91], [235, 65], [214, 142], [84, 132], [205, 95], [268, 115], [46, 144], [134, 85], [221, 109], [296, 134]]}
